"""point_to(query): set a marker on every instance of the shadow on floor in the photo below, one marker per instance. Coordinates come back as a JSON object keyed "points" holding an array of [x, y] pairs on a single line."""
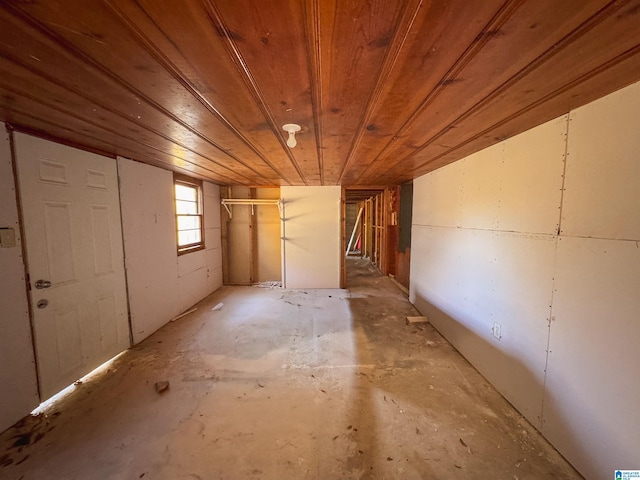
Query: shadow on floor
{"points": [[420, 410]]}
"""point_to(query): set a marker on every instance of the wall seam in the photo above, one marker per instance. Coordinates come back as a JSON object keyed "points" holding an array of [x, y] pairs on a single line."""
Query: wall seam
{"points": [[490, 230], [551, 318], [124, 255], [564, 171], [23, 250], [524, 234]]}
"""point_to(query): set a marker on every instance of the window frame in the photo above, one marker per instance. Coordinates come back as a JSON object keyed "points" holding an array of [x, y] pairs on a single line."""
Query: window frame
{"points": [[197, 185]]}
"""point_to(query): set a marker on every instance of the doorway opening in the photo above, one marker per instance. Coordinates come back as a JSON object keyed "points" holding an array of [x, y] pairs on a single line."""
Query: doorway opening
{"points": [[251, 236], [377, 227]]}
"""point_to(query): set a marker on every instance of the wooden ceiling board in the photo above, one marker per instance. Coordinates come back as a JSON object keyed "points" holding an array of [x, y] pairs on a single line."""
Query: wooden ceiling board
{"points": [[361, 194], [355, 40], [543, 90], [523, 29], [42, 128], [143, 93], [435, 44], [624, 72], [314, 52], [267, 40], [93, 138], [195, 49], [384, 91], [78, 111], [621, 74]]}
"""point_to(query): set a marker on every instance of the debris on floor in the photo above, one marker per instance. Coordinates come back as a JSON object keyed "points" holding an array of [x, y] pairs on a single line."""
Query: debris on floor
{"points": [[184, 314], [330, 388], [414, 320], [268, 285], [162, 386], [217, 307]]}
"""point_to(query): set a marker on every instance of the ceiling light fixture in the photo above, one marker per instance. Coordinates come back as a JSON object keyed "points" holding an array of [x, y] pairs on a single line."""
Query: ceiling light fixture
{"points": [[292, 129]]}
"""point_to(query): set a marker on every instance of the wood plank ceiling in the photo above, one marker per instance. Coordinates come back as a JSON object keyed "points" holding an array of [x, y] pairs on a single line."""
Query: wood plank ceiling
{"points": [[384, 90]]}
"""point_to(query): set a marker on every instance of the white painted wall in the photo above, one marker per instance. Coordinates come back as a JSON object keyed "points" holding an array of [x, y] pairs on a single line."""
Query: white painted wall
{"points": [[200, 273], [592, 400], [311, 231], [212, 238], [18, 381], [161, 285], [496, 239]]}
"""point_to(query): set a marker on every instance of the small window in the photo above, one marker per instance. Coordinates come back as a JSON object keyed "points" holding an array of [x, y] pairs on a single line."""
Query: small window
{"points": [[188, 194]]}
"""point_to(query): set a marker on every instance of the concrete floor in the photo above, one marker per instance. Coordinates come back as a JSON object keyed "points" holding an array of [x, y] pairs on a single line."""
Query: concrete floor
{"points": [[286, 384]]}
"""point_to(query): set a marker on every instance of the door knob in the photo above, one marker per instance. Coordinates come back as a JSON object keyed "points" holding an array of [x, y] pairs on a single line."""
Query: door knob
{"points": [[42, 303], [40, 284]]}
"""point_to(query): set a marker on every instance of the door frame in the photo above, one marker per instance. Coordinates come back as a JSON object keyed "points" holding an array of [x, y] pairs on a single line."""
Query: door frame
{"points": [[23, 250]]}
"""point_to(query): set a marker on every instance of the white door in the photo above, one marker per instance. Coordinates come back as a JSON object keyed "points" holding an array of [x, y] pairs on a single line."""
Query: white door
{"points": [[71, 213]]}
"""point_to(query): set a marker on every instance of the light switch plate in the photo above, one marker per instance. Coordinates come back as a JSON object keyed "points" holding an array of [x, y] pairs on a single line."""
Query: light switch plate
{"points": [[7, 237]]}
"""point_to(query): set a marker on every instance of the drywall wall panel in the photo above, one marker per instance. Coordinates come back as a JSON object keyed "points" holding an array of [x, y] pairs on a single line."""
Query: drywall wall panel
{"points": [[311, 231], [213, 242], [211, 194], [192, 279], [161, 283], [531, 179], [197, 276], [513, 186], [593, 393], [603, 172], [437, 197], [18, 381], [480, 185], [212, 236], [148, 222], [466, 281], [214, 269], [191, 262]]}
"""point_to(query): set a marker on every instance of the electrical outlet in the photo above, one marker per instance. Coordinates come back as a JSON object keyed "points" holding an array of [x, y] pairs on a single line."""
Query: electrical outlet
{"points": [[497, 330]]}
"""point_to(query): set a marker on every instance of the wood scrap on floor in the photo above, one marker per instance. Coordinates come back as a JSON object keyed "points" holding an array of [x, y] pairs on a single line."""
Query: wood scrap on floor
{"points": [[184, 314], [414, 320]]}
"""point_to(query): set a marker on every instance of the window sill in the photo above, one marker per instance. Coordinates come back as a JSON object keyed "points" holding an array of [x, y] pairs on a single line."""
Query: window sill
{"points": [[195, 248]]}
